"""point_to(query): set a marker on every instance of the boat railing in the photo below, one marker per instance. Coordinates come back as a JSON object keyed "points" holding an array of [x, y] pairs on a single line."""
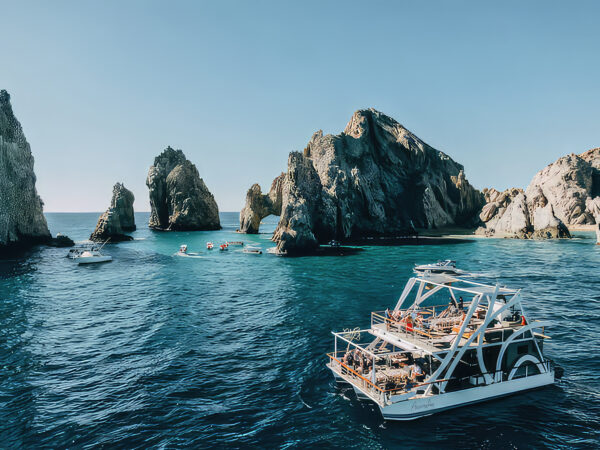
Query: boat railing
{"points": [[377, 392], [417, 329]]}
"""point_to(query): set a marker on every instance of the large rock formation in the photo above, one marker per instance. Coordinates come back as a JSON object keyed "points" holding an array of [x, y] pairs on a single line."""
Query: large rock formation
{"points": [[514, 214], [118, 217], [179, 199], [566, 192], [259, 205], [374, 179], [22, 222]]}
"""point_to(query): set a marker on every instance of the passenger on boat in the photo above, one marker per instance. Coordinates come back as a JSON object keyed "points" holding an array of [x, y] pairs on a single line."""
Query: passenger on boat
{"points": [[416, 372], [348, 358], [452, 302]]}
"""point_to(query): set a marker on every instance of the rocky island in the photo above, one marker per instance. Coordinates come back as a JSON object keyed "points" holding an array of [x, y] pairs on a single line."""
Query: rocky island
{"points": [[22, 222], [376, 178], [564, 193], [179, 199], [118, 218]]}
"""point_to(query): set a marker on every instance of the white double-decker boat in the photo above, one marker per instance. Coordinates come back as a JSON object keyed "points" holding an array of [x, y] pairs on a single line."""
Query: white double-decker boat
{"points": [[448, 342]]}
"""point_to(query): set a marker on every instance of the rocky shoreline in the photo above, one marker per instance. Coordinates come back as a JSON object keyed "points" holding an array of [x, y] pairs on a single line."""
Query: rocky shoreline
{"points": [[375, 183]]}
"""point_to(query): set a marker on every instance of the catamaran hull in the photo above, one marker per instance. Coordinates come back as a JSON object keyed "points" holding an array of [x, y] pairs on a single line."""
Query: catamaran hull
{"points": [[425, 406]]}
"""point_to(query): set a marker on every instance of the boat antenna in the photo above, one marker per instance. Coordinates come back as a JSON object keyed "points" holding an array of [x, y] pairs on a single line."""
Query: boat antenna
{"points": [[104, 244]]}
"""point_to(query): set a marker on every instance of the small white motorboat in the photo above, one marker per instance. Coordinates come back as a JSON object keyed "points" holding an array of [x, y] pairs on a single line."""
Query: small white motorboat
{"points": [[274, 251], [446, 267], [209, 245], [239, 243], [92, 255], [223, 247], [253, 250], [183, 251]]}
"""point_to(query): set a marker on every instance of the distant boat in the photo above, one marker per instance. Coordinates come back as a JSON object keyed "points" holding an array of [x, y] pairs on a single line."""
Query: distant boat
{"points": [[274, 251], [223, 247], [253, 250], [93, 255], [183, 251], [446, 267], [76, 251], [209, 245], [235, 243]]}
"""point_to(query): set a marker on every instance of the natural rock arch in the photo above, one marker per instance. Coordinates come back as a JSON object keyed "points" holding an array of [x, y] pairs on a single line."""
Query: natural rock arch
{"points": [[259, 205]]}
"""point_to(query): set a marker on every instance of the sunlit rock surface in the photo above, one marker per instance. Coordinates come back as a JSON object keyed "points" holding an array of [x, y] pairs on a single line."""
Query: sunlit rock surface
{"points": [[118, 218], [374, 179], [179, 199], [22, 222]]}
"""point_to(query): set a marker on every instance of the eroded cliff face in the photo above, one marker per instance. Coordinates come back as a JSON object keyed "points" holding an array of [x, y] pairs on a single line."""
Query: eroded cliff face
{"points": [[179, 199], [375, 178], [22, 222], [565, 192], [259, 205], [118, 218]]}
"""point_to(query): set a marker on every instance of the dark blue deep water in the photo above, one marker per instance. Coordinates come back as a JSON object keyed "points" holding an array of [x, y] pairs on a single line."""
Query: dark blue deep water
{"points": [[228, 350]]}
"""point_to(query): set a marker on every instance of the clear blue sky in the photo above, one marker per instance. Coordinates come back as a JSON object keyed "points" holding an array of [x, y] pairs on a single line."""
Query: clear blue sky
{"points": [[102, 87]]}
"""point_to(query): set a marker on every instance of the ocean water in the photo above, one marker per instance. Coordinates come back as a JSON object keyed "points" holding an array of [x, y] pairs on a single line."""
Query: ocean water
{"points": [[228, 349]]}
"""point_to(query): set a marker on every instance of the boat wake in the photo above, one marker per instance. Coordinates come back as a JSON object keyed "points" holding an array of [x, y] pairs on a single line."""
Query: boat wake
{"points": [[188, 255]]}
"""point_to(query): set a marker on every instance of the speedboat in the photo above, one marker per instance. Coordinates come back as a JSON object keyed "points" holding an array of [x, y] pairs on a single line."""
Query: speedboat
{"points": [[425, 356], [183, 250], [76, 251], [91, 255], [274, 251], [209, 245], [253, 250], [446, 267], [223, 247], [240, 243]]}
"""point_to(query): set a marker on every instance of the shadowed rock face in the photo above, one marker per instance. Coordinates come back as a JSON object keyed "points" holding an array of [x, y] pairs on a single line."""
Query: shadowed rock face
{"points": [[22, 222], [179, 199], [118, 218], [374, 179], [259, 205], [565, 192]]}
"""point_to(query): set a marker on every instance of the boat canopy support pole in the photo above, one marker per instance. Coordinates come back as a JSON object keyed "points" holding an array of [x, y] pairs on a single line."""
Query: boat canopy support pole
{"points": [[405, 293], [452, 350], [481, 329]]}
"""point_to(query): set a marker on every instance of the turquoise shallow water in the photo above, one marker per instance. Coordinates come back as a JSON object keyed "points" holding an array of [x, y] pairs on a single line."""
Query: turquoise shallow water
{"points": [[228, 349]]}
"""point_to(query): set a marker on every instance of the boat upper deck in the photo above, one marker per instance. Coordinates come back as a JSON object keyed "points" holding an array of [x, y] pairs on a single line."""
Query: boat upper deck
{"points": [[423, 319]]}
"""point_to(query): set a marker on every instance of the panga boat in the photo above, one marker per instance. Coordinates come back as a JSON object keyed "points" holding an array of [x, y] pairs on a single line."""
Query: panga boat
{"points": [[447, 267], [429, 355], [240, 243], [209, 245], [253, 250]]}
